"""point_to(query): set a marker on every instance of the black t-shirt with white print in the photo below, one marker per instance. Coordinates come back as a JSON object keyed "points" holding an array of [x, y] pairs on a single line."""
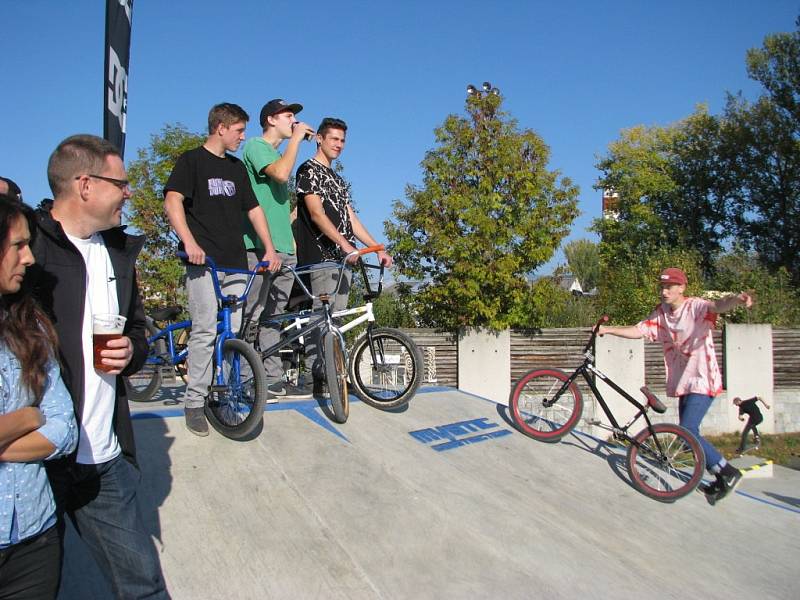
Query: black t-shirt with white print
{"points": [[312, 245], [216, 191]]}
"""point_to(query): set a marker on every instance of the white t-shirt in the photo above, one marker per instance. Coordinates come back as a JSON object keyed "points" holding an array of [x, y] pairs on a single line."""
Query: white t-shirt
{"points": [[98, 442]]}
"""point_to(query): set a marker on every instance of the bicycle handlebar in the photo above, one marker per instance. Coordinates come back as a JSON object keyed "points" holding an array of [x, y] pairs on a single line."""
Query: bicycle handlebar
{"points": [[595, 329], [260, 268]]}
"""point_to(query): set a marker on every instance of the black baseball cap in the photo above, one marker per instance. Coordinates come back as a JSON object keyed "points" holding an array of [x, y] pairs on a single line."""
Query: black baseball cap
{"points": [[273, 107]]}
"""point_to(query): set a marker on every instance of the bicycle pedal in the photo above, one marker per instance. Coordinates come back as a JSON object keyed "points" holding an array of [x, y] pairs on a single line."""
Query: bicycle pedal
{"points": [[217, 388], [592, 421]]}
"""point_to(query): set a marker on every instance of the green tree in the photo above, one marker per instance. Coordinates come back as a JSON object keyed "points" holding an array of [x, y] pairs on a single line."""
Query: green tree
{"points": [[488, 213], [763, 141], [583, 258], [776, 300], [549, 305], [628, 292], [160, 272], [673, 191]]}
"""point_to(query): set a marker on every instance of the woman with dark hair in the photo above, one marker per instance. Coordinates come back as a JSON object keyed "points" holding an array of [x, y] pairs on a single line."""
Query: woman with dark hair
{"points": [[36, 421]]}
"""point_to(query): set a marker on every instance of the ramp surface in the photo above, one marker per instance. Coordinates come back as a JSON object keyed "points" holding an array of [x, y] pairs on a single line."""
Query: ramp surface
{"points": [[442, 500]]}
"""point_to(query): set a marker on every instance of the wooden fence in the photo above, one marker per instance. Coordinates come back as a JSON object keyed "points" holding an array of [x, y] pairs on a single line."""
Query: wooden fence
{"points": [[561, 349]]}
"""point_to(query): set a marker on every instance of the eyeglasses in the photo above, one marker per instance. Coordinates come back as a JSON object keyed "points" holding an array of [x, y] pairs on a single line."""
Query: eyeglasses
{"points": [[122, 184]]}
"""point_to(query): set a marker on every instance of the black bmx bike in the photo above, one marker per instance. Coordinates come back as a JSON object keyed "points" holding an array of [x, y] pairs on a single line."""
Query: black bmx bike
{"points": [[664, 460]]}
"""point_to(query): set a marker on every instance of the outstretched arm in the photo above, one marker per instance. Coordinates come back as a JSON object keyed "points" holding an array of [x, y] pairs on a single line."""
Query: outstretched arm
{"points": [[728, 303], [630, 332]]}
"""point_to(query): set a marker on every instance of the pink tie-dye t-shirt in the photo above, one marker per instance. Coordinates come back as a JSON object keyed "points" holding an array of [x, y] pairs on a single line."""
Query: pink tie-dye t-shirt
{"points": [[688, 346]]}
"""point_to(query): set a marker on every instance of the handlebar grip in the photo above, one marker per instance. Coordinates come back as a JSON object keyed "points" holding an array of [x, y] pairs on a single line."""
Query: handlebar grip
{"points": [[370, 249], [209, 261]]}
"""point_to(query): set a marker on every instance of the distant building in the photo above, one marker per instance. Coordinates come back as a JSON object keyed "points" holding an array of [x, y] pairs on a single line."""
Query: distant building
{"points": [[610, 204]]}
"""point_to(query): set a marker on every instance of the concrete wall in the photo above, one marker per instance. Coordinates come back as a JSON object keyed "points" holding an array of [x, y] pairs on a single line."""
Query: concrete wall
{"points": [[484, 363], [622, 361], [484, 369]]}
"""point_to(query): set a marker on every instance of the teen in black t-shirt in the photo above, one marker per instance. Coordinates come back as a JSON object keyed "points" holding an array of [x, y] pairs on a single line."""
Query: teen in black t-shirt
{"points": [[215, 192], [204, 199]]}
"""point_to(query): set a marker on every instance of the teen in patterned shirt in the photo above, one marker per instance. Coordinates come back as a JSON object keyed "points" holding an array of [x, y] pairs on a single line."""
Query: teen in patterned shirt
{"points": [[683, 325], [327, 226]]}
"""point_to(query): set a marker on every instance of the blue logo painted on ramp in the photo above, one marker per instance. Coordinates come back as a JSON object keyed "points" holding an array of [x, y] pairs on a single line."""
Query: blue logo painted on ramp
{"points": [[459, 434]]}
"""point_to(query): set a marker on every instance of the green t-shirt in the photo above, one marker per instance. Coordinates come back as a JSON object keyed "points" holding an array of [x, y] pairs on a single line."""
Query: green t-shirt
{"points": [[272, 196]]}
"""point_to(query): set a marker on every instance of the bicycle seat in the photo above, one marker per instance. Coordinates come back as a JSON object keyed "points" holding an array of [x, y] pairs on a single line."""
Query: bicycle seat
{"points": [[656, 404], [166, 314]]}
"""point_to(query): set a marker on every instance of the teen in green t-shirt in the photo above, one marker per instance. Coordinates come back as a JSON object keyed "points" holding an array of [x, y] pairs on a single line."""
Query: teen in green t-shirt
{"points": [[269, 173]]}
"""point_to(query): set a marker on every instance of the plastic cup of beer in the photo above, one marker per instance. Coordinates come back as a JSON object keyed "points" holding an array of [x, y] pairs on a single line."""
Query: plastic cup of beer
{"points": [[105, 328]]}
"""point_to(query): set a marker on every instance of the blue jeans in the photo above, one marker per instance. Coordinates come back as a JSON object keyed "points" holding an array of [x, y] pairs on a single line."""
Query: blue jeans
{"points": [[101, 502], [691, 410]]}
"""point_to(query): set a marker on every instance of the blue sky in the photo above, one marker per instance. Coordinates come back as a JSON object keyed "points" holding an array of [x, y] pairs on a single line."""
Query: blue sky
{"points": [[575, 72]]}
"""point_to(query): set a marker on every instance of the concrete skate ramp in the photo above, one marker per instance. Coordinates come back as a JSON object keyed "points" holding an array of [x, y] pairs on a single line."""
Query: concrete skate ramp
{"points": [[442, 500]]}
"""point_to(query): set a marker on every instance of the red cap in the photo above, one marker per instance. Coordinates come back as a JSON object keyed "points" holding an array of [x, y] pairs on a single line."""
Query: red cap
{"points": [[673, 275]]}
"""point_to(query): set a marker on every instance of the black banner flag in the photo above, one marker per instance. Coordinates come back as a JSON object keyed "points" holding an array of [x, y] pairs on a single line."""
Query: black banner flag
{"points": [[115, 92]]}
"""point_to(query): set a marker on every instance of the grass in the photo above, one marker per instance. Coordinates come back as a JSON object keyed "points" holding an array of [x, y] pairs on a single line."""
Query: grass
{"points": [[782, 449]]}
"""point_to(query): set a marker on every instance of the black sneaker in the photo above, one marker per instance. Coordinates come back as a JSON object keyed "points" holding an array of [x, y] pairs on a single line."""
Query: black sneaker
{"points": [[196, 421], [297, 393], [277, 389], [727, 481], [709, 488]]}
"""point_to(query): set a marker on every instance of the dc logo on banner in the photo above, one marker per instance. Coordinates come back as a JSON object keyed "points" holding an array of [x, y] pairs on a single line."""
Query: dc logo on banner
{"points": [[117, 102], [126, 4]]}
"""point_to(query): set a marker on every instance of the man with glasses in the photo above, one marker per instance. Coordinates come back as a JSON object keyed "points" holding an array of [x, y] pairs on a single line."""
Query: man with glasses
{"points": [[85, 265], [327, 226], [204, 199], [269, 173]]}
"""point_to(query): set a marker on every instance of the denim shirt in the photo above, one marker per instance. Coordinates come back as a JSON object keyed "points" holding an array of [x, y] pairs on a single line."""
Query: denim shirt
{"points": [[26, 500]]}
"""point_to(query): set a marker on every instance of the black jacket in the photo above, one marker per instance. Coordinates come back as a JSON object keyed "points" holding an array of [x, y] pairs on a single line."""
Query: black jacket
{"points": [[58, 280]]}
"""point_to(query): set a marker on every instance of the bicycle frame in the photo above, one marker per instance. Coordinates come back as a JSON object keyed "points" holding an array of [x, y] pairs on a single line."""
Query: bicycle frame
{"points": [[586, 369], [309, 320], [227, 304]]}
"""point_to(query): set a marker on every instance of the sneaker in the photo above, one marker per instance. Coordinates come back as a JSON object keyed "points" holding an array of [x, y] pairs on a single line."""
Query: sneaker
{"points": [[196, 421], [280, 389], [298, 393], [709, 488], [277, 389], [727, 481]]}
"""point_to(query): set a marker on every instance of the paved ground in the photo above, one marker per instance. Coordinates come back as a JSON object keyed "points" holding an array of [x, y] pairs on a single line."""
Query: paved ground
{"points": [[396, 505]]}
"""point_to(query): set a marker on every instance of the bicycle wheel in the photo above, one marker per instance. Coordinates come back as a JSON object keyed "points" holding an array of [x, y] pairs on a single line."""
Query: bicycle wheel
{"points": [[387, 373], [336, 376], [236, 408], [541, 409], [666, 462], [143, 385]]}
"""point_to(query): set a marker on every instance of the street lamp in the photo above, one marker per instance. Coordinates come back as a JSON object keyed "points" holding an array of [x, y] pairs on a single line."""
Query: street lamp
{"points": [[486, 90]]}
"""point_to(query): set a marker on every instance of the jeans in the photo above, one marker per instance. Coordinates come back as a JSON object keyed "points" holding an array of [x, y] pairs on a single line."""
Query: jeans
{"points": [[752, 423], [324, 281], [30, 569], [101, 502], [203, 309], [691, 409], [268, 297]]}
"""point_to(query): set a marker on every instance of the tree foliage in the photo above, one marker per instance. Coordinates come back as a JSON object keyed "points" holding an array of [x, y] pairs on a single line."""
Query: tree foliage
{"points": [[583, 258], [776, 300], [488, 213], [160, 272], [709, 182]]}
